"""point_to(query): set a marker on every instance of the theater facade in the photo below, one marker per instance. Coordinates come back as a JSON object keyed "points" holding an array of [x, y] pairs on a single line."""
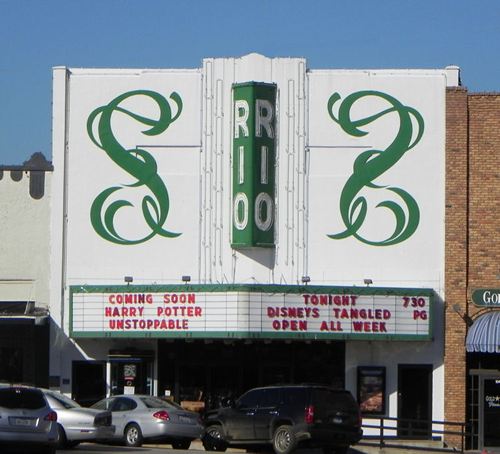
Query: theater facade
{"points": [[250, 222]]}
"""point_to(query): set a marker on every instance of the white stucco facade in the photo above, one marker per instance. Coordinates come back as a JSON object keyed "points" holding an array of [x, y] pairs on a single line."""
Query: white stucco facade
{"points": [[24, 271], [149, 179], [24, 246]]}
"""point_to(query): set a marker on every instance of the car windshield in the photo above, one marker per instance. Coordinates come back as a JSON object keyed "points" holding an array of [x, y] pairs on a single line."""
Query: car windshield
{"points": [[62, 400]]}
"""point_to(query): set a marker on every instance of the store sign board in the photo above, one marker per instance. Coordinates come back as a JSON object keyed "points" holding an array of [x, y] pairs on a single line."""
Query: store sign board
{"points": [[292, 312], [486, 297], [254, 156]]}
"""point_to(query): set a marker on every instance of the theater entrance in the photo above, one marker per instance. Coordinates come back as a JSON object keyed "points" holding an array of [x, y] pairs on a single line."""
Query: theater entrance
{"points": [[212, 372]]}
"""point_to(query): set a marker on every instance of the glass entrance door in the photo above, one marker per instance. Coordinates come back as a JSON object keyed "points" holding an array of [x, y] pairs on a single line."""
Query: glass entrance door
{"points": [[414, 400], [491, 412], [484, 401]]}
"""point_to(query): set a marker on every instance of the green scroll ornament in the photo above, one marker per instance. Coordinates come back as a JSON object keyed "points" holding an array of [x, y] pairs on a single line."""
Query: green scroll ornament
{"points": [[137, 162], [371, 164]]}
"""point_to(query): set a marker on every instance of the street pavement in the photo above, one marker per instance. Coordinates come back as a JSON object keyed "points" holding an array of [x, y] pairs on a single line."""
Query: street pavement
{"points": [[197, 448]]}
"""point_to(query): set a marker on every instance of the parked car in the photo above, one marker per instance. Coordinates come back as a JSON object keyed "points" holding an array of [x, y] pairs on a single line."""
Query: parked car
{"points": [[26, 420], [140, 418], [77, 424], [286, 417]]}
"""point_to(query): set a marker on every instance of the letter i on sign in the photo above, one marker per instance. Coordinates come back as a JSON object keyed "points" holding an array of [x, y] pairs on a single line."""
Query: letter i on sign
{"points": [[254, 163]]}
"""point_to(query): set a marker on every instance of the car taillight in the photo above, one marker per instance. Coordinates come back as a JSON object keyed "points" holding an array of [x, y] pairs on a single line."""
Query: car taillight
{"points": [[163, 415], [102, 420], [309, 414], [52, 416]]}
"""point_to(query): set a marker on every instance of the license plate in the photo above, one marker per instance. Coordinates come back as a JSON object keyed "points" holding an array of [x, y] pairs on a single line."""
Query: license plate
{"points": [[185, 420], [23, 422]]}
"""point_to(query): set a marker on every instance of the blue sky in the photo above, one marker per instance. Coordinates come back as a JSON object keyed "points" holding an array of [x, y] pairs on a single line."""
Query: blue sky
{"points": [[36, 35]]}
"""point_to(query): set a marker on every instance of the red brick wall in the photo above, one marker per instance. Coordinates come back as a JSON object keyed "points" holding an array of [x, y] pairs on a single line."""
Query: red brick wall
{"points": [[484, 190], [455, 254], [472, 228]]}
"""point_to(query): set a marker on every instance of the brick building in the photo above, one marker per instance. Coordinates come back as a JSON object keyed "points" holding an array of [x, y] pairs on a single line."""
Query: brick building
{"points": [[472, 262]]}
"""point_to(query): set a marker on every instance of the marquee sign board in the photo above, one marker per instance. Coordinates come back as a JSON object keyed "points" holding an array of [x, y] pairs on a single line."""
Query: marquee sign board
{"points": [[238, 311]]}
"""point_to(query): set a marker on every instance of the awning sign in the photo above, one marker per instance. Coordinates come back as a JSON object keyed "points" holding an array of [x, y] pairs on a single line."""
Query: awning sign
{"points": [[484, 334]]}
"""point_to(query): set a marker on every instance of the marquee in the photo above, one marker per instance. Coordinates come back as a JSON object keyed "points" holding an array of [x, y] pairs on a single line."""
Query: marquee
{"points": [[259, 311]]}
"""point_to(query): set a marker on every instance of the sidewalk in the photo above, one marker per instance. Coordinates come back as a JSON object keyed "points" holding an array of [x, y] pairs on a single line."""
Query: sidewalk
{"points": [[357, 449], [371, 448]]}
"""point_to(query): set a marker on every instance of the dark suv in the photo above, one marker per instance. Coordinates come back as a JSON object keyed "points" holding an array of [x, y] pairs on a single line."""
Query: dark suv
{"points": [[284, 417]]}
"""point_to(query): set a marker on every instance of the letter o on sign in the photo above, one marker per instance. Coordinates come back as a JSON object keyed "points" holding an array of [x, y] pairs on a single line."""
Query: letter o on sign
{"points": [[240, 211], [260, 200]]}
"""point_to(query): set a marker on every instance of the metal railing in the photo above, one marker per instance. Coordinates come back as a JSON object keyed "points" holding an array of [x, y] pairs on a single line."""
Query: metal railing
{"points": [[402, 431]]}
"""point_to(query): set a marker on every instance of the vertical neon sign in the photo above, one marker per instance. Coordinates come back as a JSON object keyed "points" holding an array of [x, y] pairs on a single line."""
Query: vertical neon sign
{"points": [[254, 159]]}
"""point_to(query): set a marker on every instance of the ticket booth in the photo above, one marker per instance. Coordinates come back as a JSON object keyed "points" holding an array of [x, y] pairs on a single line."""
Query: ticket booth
{"points": [[131, 371]]}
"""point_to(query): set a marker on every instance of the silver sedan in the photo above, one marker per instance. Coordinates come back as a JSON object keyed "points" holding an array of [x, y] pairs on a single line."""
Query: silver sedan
{"points": [[140, 418], [76, 424]]}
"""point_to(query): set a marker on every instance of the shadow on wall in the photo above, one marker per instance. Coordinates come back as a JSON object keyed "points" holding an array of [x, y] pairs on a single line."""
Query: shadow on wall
{"points": [[74, 369]]}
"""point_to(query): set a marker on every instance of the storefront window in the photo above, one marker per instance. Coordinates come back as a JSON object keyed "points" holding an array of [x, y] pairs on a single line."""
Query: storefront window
{"points": [[11, 364], [491, 412]]}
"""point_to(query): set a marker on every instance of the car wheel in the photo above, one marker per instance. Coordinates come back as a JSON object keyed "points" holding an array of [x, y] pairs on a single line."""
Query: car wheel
{"points": [[284, 441], [133, 435], [61, 437], [213, 440], [181, 444]]}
